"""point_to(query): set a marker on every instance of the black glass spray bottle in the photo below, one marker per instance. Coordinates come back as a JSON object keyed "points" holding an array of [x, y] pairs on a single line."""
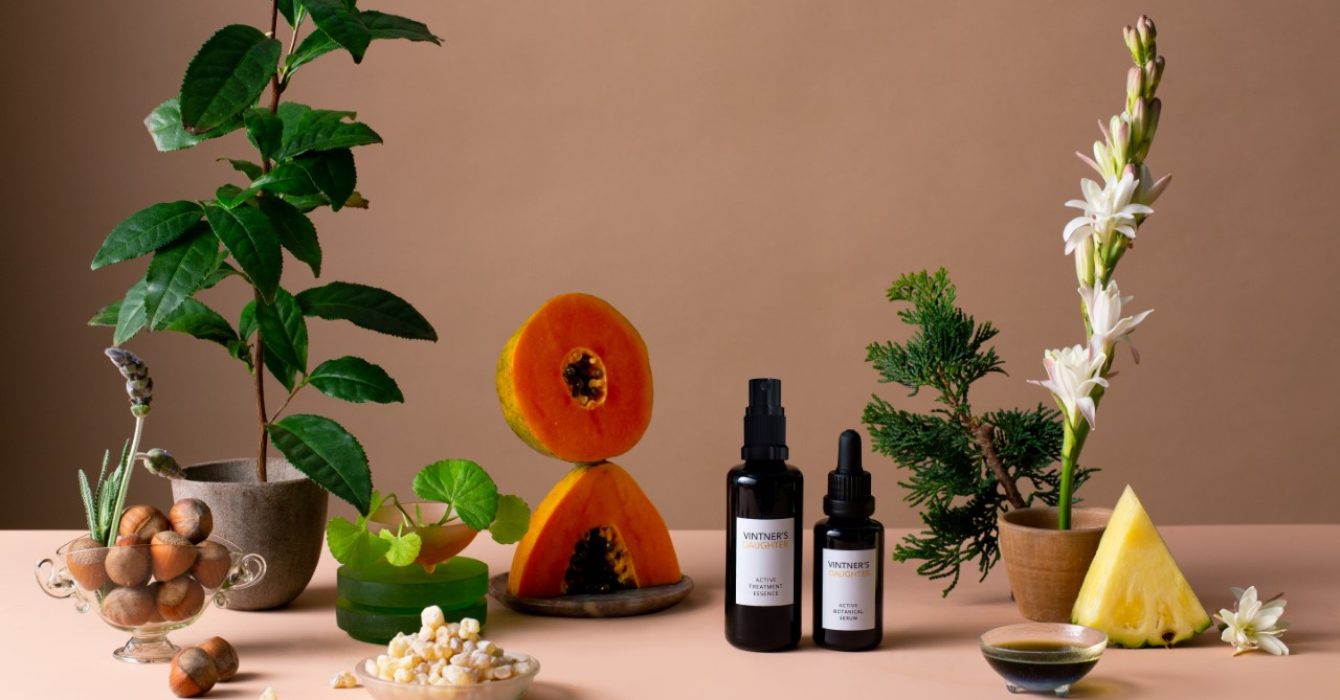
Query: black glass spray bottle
{"points": [[849, 558], [763, 530]]}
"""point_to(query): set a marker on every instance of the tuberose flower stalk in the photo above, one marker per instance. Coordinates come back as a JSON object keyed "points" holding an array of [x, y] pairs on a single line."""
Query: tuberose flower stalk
{"points": [[1098, 239]]}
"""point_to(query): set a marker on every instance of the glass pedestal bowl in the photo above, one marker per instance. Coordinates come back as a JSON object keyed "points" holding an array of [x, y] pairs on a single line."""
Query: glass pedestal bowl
{"points": [[152, 606]]}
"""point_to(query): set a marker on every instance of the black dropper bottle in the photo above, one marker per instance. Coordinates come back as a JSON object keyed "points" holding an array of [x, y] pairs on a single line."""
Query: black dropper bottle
{"points": [[849, 558], [763, 530]]}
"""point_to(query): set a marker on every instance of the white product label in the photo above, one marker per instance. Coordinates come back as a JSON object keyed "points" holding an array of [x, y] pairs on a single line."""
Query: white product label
{"points": [[849, 589], [765, 562]]}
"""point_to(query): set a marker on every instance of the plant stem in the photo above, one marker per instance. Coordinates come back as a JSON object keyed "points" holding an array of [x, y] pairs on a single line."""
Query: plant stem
{"points": [[1071, 446], [985, 435], [258, 370], [127, 471]]}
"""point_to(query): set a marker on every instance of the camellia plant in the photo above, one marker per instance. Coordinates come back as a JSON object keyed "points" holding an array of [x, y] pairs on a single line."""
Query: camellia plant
{"points": [[303, 162], [1078, 376]]}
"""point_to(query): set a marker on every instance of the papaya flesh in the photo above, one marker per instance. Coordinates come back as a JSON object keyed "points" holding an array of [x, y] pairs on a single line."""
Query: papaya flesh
{"points": [[574, 382], [595, 532]]}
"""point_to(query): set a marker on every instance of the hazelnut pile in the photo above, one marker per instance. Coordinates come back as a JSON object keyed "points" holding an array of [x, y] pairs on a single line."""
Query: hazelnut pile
{"points": [[445, 653], [196, 670], [159, 569]]}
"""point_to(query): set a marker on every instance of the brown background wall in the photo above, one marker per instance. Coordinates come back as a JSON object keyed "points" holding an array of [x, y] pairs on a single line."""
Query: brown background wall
{"points": [[743, 179]]}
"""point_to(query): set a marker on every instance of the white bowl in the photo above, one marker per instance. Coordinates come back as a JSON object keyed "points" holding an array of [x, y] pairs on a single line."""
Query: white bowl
{"points": [[510, 689]]}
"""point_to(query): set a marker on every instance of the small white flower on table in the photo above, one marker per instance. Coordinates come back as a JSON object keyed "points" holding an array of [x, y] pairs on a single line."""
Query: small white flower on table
{"points": [[1253, 624]]}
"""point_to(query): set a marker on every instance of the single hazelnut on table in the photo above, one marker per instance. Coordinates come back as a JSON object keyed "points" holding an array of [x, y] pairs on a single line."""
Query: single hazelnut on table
{"points": [[192, 519], [142, 520], [172, 555], [179, 599], [212, 562], [86, 561], [224, 656], [128, 562], [129, 607], [192, 673]]}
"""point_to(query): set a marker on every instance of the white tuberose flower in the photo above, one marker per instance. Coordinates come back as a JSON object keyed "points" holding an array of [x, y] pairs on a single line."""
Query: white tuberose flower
{"points": [[1107, 209], [1253, 624], [1109, 326], [1072, 373]]}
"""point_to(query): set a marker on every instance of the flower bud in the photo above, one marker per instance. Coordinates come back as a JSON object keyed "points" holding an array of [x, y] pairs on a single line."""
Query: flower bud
{"points": [[1139, 119], [1155, 108], [1132, 39], [1145, 27], [1135, 84], [1153, 74], [161, 463], [139, 386]]}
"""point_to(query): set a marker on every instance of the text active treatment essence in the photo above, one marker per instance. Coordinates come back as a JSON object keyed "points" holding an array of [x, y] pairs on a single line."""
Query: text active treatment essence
{"points": [[849, 558], [763, 530]]}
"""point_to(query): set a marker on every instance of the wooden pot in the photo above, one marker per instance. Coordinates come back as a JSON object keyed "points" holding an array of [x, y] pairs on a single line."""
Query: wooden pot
{"points": [[1046, 566]]}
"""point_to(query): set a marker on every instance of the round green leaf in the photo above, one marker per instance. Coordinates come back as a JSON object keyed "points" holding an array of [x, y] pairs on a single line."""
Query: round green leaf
{"points": [[463, 485], [511, 521]]}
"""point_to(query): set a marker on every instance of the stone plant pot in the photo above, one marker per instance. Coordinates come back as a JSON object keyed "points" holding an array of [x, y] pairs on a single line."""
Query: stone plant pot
{"points": [[1046, 566], [283, 520]]}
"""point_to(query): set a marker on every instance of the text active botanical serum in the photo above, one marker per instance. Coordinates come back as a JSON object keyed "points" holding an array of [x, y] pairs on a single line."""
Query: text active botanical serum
{"points": [[763, 530], [849, 558]]}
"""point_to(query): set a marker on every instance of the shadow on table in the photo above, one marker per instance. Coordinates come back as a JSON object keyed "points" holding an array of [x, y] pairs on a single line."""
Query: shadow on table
{"points": [[317, 596], [543, 690], [1104, 687]]}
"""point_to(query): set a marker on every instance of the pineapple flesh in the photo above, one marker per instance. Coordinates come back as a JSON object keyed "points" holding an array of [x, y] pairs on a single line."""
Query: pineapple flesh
{"points": [[1134, 591]]}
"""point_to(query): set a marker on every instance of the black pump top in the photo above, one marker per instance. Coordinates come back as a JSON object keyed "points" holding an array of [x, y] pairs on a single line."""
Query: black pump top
{"points": [[849, 485], [764, 422]]}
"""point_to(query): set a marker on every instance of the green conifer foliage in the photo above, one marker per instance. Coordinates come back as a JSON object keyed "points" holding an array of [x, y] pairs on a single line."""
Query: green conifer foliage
{"points": [[963, 468]]}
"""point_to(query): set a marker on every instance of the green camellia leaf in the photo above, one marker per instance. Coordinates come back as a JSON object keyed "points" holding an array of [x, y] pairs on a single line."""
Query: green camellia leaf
{"points": [[265, 131], [246, 167], [131, 316], [246, 321], [147, 230], [326, 452], [253, 242], [355, 380], [323, 130], [176, 272], [226, 76], [512, 520], [352, 545], [296, 232], [330, 173], [196, 319], [386, 26], [404, 548], [164, 125], [231, 195], [287, 8], [367, 307], [316, 45], [284, 330], [462, 484], [106, 316], [342, 21]]}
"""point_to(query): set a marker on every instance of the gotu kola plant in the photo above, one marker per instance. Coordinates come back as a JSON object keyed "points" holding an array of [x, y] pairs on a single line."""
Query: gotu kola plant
{"points": [[303, 163], [965, 467]]}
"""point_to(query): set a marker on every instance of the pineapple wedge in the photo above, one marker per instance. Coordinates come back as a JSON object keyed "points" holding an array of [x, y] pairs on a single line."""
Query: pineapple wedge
{"points": [[1134, 591]]}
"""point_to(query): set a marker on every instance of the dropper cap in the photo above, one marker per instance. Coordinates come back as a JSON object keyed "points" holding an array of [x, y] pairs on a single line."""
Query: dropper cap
{"points": [[764, 422], [849, 484]]}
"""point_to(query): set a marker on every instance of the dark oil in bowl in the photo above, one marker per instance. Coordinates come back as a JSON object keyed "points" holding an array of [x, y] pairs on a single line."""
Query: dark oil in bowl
{"points": [[1057, 667]]}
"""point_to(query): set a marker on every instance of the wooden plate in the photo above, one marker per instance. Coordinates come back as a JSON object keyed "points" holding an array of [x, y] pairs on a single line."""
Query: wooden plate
{"points": [[638, 601]]}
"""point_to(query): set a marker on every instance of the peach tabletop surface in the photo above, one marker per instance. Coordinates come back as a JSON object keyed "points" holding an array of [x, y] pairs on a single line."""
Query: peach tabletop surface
{"points": [[929, 650]]}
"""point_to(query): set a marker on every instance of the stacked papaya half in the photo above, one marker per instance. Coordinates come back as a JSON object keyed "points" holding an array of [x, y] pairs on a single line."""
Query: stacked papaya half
{"points": [[575, 384]]}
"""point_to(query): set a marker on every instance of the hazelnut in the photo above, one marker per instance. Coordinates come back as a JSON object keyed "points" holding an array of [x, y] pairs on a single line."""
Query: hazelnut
{"points": [[128, 607], [85, 559], [224, 656], [128, 562], [142, 520], [192, 519], [192, 674], [212, 563], [179, 599], [172, 555]]}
